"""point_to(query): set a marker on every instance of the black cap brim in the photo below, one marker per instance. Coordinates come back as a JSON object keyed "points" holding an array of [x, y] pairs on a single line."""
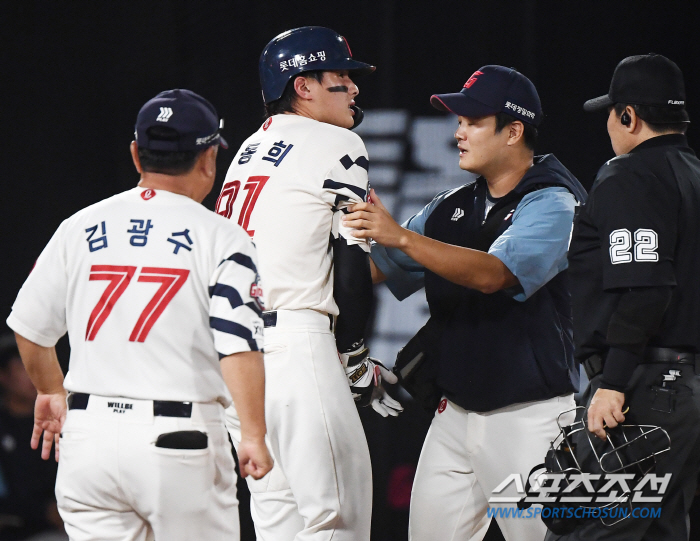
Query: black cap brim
{"points": [[598, 104], [358, 69], [461, 105]]}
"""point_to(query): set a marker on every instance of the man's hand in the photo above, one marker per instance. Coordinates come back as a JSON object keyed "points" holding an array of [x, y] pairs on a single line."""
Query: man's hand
{"points": [[365, 376], [49, 416], [605, 410], [373, 220], [254, 458], [381, 402]]}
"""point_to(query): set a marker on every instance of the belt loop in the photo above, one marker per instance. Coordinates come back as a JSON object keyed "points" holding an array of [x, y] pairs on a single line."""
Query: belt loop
{"points": [[270, 318]]}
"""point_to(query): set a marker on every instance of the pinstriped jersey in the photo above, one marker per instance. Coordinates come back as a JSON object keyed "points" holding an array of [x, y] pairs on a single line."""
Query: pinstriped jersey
{"points": [[153, 289], [288, 186]]}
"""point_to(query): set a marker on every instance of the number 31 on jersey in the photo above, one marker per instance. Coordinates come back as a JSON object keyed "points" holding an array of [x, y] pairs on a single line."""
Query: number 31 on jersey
{"points": [[229, 193]]}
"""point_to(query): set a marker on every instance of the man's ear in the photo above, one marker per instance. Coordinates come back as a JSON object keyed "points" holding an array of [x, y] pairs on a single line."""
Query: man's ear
{"points": [[301, 87], [635, 124], [207, 161], [135, 156], [516, 131]]}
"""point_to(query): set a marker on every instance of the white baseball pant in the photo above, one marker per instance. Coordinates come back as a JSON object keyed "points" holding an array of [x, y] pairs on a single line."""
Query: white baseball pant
{"points": [[466, 455], [114, 484], [320, 487]]}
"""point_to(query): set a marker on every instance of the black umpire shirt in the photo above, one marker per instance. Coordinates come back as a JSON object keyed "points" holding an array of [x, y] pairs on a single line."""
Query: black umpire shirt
{"points": [[634, 258]]}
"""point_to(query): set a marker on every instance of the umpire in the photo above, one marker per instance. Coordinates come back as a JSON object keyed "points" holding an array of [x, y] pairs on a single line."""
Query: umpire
{"points": [[634, 263]]}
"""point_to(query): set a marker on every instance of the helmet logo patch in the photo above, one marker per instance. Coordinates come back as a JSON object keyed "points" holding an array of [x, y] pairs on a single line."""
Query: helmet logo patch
{"points": [[301, 60]]}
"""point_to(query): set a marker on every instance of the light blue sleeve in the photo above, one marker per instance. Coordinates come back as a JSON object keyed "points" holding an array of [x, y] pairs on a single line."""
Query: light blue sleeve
{"points": [[403, 275], [534, 247]]}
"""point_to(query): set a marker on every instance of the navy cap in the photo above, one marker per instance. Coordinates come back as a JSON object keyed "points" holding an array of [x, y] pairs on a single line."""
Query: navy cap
{"points": [[492, 90], [178, 120], [648, 79]]}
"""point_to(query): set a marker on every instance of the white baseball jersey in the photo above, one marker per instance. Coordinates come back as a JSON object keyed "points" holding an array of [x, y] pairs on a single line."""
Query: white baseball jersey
{"points": [[150, 286], [285, 187]]}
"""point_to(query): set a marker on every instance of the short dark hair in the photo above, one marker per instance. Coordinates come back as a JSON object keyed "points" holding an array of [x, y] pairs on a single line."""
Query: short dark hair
{"points": [[665, 119], [529, 131], [285, 104], [166, 162]]}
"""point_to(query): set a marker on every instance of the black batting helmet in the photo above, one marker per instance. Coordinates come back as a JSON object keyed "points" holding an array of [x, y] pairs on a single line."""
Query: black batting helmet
{"points": [[308, 48]]}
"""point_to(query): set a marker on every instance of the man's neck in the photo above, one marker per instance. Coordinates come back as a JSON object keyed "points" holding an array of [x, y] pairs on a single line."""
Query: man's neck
{"points": [[178, 185], [503, 180]]}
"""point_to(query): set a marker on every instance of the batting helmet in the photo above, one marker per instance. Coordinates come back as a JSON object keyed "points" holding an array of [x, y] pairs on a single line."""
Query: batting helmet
{"points": [[308, 48]]}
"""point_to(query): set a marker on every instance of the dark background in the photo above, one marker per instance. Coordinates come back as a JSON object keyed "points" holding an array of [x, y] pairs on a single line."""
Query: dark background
{"points": [[74, 74]]}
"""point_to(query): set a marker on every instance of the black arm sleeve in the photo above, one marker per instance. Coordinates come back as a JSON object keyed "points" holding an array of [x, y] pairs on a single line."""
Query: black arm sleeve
{"points": [[352, 289], [637, 317]]}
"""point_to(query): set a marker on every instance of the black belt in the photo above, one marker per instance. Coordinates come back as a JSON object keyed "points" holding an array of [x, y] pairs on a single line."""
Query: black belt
{"points": [[161, 408], [270, 319], [594, 364]]}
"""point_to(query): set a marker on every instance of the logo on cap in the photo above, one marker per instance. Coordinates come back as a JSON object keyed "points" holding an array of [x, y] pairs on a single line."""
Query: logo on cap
{"points": [[165, 114], [473, 79]]}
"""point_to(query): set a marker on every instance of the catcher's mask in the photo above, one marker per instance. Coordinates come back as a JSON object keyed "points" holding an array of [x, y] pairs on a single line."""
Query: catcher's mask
{"points": [[628, 449]]}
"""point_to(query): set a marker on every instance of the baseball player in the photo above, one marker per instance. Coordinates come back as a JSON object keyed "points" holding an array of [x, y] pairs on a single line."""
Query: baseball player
{"points": [[287, 187], [492, 257], [161, 301], [634, 261]]}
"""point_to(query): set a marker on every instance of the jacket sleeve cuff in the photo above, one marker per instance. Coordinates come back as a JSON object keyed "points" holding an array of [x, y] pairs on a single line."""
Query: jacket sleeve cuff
{"points": [[618, 369]]}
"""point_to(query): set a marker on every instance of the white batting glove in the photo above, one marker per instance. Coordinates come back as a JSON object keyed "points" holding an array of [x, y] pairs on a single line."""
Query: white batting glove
{"points": [[365, 375], [381, 402]]}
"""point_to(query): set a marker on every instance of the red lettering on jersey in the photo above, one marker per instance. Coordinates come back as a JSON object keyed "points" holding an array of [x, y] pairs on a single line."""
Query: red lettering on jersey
{"points": [[473, 79], [170, 280], [443, 405], [256, 291], [267, 124], [119, 278], [148, 194], [254, 186]]}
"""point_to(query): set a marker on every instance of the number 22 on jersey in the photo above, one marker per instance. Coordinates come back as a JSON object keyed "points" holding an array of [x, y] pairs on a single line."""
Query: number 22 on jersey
{"points": [[229, 193], [119, 277]]}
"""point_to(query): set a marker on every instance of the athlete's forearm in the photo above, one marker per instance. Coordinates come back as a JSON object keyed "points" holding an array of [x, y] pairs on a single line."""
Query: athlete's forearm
{"points": [[462, 266], [42, 366], [244, 374], [352, 291]]}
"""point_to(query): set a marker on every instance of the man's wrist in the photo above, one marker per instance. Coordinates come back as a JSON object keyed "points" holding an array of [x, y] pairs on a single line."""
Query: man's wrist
{"points": [[56, 391], [405, 239]]}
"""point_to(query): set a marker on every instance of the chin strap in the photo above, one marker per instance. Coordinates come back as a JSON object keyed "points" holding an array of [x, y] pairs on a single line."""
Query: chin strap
{"points": [[358, 117]]}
